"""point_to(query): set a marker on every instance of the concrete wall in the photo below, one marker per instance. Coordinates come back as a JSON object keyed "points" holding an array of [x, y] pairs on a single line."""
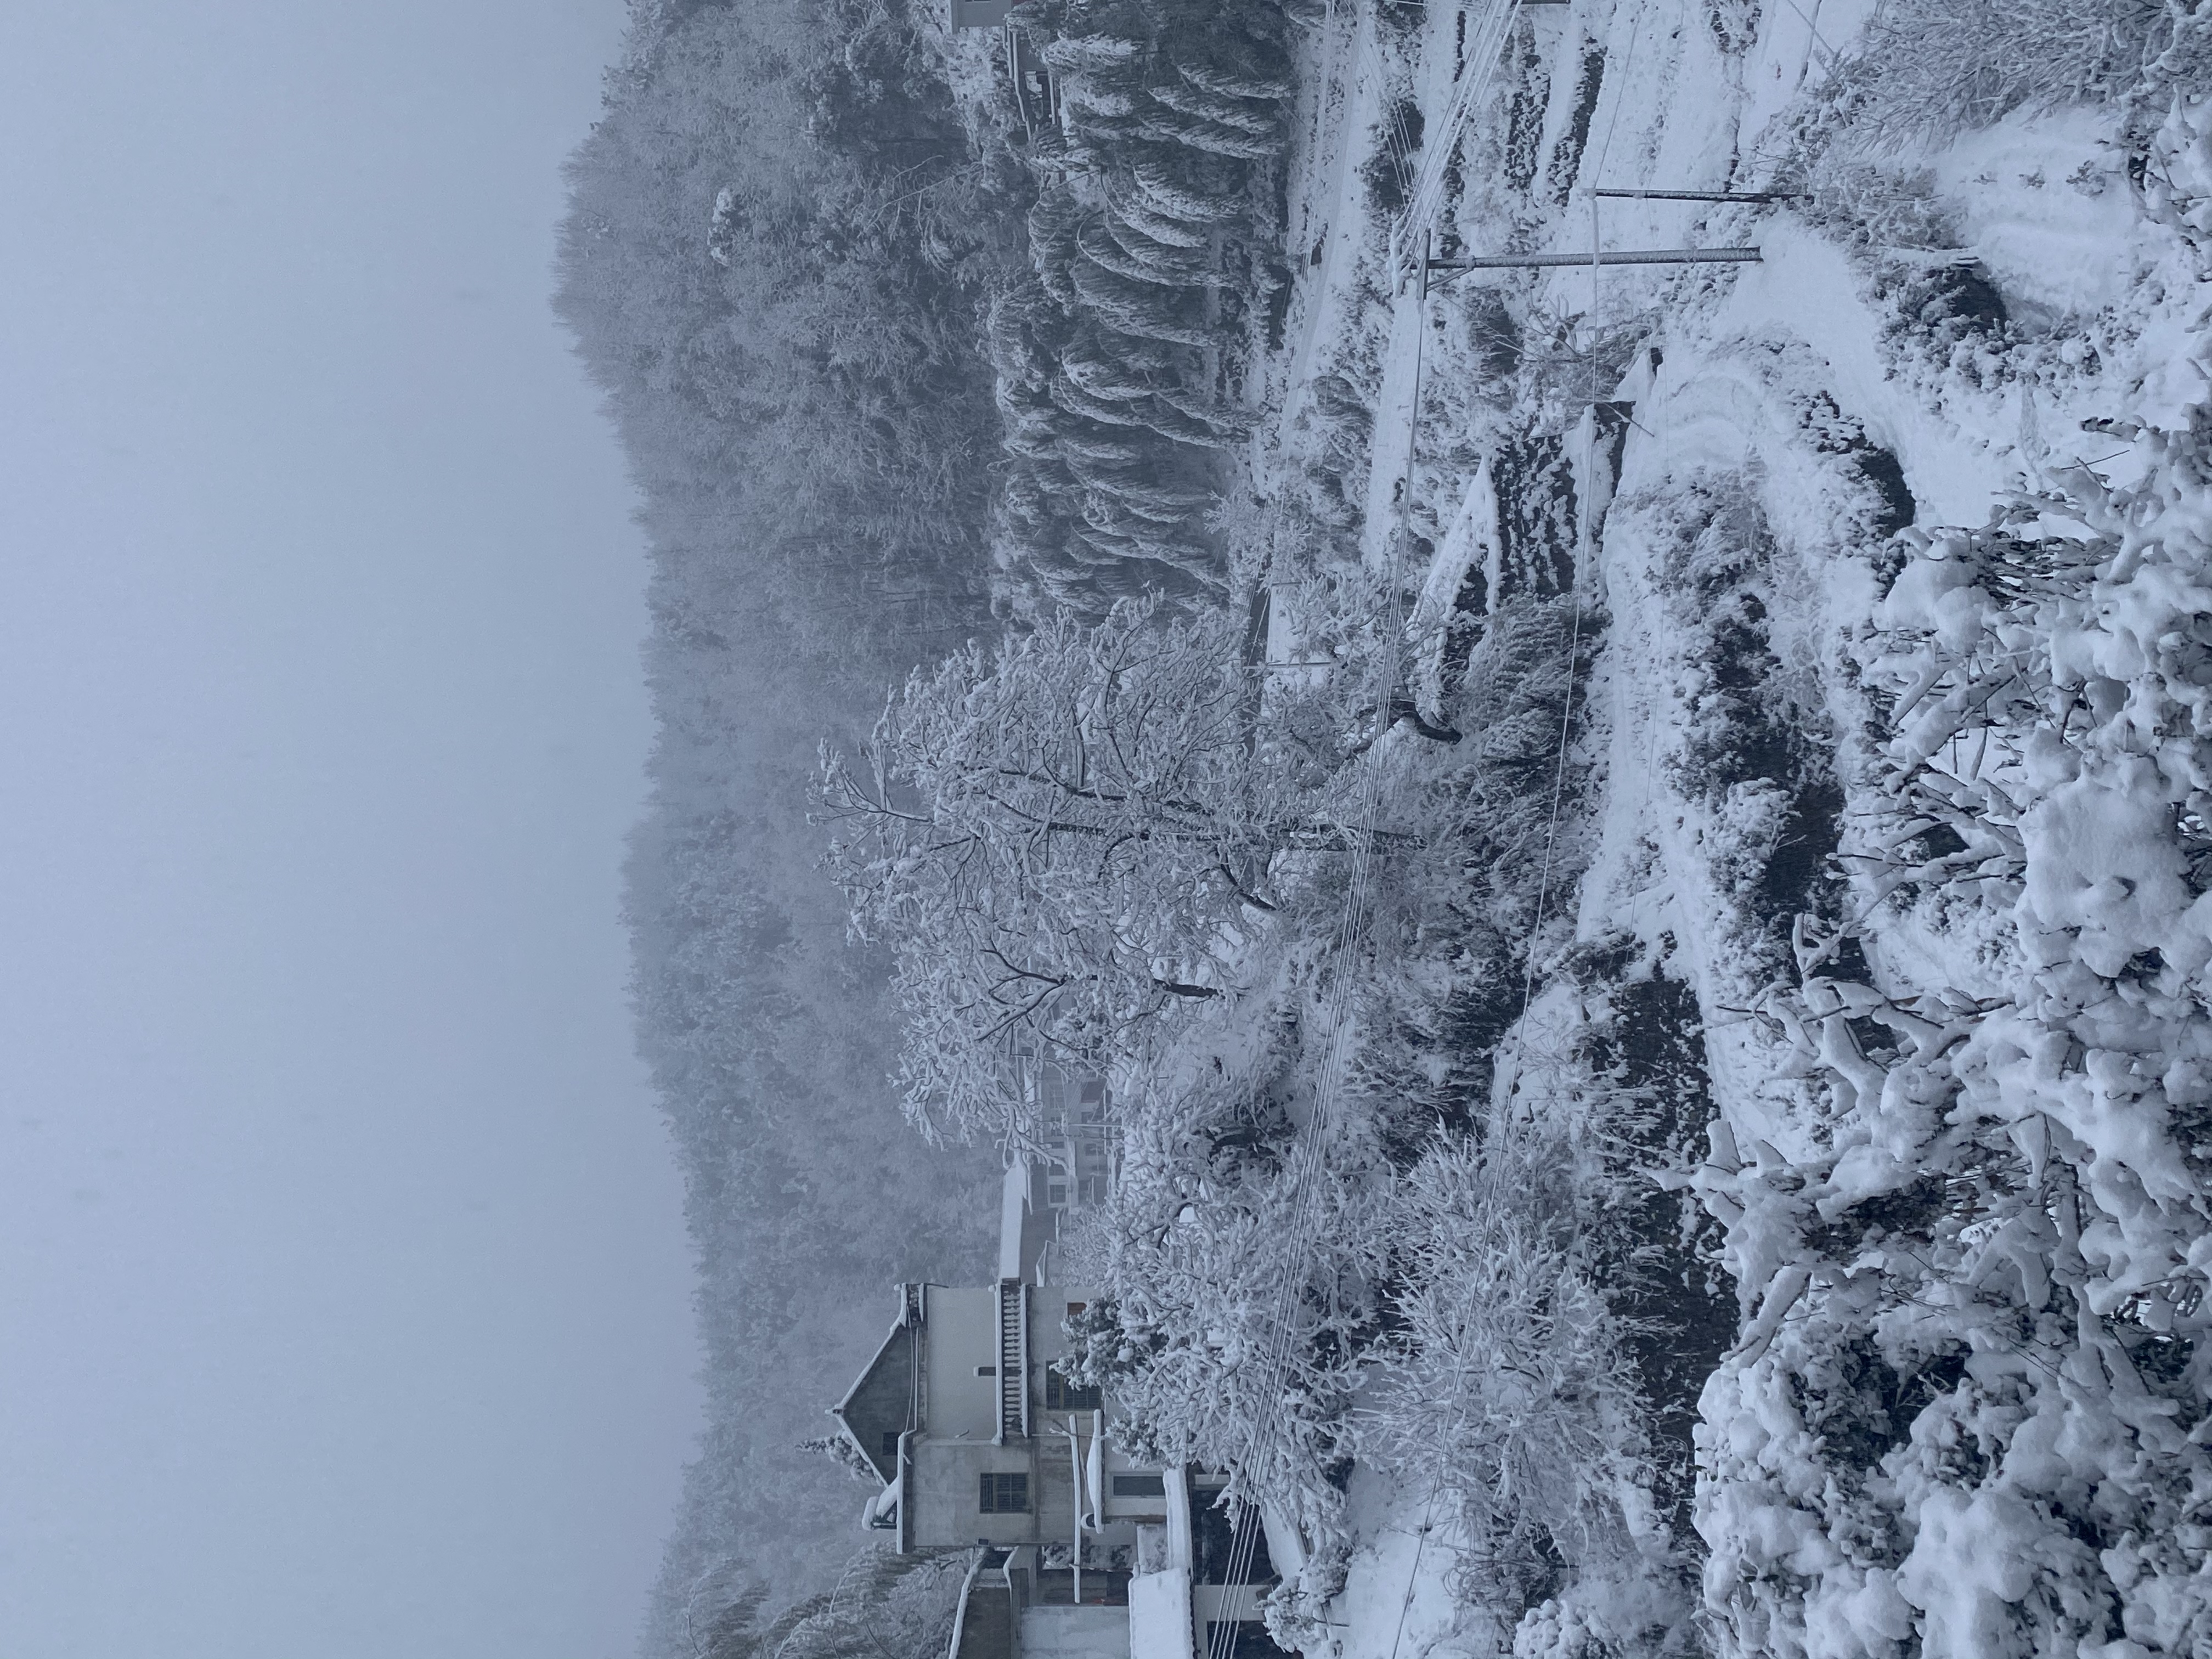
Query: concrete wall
{"points": [[947, 1493], [978, 14], [1134, 1507], [1159, 1616], [947, 1486], [1049, 1306], [960, 1419], [1075, 1633], [962, 1334]]}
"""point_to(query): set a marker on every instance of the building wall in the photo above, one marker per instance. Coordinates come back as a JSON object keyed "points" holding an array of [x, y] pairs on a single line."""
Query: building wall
{"points": [[961, 1336], [1049, 1306], [1075, 1632], [948, 1488], [1075, 1131], [960, 1421], [948, 1491], [979, 14]]}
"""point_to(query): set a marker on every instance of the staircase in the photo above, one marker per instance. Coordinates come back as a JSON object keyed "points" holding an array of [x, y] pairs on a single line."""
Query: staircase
{"points": [[1013, 1361]]}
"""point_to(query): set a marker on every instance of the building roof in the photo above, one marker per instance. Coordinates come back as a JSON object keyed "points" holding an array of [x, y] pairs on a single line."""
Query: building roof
{"points": [[886, 1399], [1026, 1223]]}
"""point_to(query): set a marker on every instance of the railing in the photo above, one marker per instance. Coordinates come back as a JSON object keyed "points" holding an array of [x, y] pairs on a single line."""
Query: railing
{"points": [[1013, 1362]]}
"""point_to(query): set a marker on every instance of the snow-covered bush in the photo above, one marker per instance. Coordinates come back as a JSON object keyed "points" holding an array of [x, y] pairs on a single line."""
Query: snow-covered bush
{"points": [[1646, 1099], [2175, 180], [1506, 1389], [1753, 750], [1247, 1263], [1255, 1233], [881, 1604], [1966, 1417], [1062, 842], [1924, 71]]}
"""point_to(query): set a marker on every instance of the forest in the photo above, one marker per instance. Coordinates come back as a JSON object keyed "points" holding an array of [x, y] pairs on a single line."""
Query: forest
{"points": [[781, 244], [800, 266]]}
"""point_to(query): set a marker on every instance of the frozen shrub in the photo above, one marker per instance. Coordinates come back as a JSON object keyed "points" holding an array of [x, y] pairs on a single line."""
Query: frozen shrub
{"points": [[1507, 1389], [1246, 1282], [1930, 69], [1974, 1373], [883, 1604]]}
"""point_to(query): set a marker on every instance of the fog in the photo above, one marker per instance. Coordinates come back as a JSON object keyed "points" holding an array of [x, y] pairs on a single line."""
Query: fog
{"points": [[345, 1306]]}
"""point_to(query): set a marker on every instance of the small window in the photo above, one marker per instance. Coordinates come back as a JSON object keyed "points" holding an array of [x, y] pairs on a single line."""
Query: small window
{"points": [[1140, 1485], [1062, 1396], [1056, 1193], [890, 1442], [987, 1371], [1241, 1638], [1004, 1494], [1075, 1308]]}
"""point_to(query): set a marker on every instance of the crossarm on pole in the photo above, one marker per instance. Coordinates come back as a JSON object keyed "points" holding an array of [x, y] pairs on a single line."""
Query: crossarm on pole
{"points": [[1664, 256]]}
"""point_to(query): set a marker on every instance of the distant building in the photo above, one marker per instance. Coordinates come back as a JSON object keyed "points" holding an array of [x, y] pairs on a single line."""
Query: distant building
{"points": [[979, 14], [1076, 1136], [982, 1441], [1034, 96]]}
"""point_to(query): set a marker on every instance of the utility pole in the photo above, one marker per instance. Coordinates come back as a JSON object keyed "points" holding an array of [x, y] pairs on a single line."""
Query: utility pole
{"points": [[1436, 272], [1706, 195]]}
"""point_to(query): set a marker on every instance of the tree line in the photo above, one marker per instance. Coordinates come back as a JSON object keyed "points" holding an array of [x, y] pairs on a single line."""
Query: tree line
{"points": [[1120, 353], [781, 242], [886, 370]]}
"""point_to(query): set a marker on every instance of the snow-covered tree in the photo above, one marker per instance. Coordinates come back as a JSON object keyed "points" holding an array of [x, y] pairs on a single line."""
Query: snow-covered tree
{"points": [[1062, 840]]}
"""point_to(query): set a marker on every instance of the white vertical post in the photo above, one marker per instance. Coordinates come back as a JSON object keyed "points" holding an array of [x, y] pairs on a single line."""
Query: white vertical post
{"points": [[1075, 1462], [1584, 542]]}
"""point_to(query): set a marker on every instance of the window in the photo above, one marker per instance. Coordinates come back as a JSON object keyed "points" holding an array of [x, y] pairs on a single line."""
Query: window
{"points": [[1075, 1308], [987, 1371], [1140, 1485], [1004, 1494], [1215, 1546], [1062, 1396], [891, 1443], [1241, 1638]]}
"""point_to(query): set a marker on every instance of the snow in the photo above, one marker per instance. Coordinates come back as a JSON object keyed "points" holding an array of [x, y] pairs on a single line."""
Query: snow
{"points": [[1951, 1159], [1159, 1614], [1394, 1604]]}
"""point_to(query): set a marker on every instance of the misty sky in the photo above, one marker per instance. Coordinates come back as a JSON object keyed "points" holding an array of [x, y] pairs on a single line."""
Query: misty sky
{"points": [[343, 1303]]}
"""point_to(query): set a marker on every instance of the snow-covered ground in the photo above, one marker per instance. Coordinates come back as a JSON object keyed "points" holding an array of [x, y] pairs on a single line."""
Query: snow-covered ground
{"points": [[1921, 817]]}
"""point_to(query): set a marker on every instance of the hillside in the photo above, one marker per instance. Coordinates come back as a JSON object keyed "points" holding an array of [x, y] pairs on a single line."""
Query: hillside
{"points": [[1634, 841], [1736, 1142]]}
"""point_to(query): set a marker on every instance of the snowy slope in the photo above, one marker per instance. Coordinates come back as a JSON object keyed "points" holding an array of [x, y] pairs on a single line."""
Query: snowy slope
{"points": [[1918, 817]]}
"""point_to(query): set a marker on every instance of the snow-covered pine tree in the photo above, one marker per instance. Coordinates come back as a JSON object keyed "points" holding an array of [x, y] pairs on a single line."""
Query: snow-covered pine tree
{"points": [[1131, 254], [1261, 118], [1142, 309], [1186, 192], [1211, 136]]}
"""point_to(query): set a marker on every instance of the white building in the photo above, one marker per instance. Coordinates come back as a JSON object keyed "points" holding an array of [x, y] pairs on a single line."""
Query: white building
{"points": [[982, 1442]]}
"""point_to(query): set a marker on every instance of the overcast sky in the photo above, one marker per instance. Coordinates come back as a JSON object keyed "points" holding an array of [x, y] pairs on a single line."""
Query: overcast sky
{"points": [[344, 1310]]}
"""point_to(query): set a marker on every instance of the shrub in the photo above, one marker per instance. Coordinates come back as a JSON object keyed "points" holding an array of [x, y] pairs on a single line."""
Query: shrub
{"points": [[1926, 71]]}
